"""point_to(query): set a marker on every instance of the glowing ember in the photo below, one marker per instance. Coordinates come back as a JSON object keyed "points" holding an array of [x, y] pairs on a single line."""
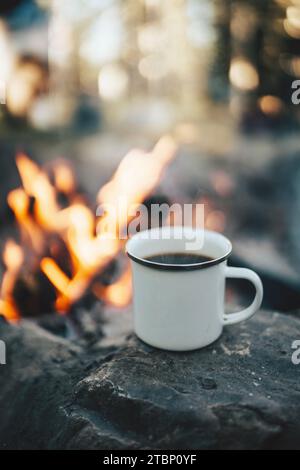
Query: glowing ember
{"points": [[87, 247]]}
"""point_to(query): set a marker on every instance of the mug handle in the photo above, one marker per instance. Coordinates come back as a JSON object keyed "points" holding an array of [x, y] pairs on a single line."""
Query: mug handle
{"points": [[243, 273]]}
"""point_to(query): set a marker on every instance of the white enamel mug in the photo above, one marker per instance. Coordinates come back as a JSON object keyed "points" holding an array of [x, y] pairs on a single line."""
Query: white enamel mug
{"points": [[181, 307]]}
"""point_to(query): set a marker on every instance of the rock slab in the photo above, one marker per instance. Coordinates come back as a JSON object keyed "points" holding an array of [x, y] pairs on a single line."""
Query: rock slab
{"points": [[242, 392]]}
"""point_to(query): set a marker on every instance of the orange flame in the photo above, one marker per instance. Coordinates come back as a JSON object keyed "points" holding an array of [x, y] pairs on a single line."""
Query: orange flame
{"points": [[55, 274], [36, 184], [13, 258], [90, 249], [118, 294], [138, 174], [18, 201], [64, 179]]}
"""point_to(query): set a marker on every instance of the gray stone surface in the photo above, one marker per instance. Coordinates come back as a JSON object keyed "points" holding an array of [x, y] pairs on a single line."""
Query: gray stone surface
{"points": [[242, 392]]}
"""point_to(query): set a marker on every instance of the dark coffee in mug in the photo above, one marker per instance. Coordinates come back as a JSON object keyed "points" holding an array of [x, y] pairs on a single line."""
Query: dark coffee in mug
{"points": [[179, 258]]}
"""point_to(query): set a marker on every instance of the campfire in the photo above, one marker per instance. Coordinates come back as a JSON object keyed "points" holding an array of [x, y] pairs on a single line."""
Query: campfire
{"points": [[63, 250]]}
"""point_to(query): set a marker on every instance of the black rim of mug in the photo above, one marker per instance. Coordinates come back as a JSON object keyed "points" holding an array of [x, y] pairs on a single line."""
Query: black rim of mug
{"points": [[178, 267]]}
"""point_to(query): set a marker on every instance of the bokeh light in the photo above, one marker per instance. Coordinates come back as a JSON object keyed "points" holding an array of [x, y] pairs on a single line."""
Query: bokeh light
{"points": [[243, 74], [112, 82]]}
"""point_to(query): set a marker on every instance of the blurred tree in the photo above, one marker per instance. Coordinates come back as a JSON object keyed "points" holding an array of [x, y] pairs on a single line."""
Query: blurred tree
{"points": [[254, 53], [219, 82]]}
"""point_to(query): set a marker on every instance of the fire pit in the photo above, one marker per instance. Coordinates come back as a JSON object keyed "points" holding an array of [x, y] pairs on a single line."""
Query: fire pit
{"points": [[72, 360], [65, 252]]}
